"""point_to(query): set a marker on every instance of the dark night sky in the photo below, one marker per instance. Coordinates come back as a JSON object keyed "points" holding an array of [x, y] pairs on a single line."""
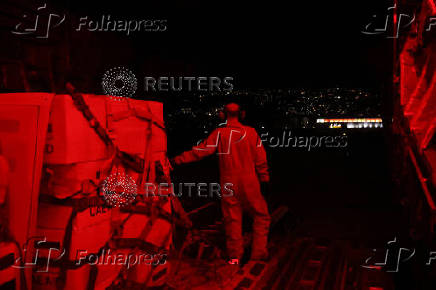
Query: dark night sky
{"points": [[282, 44], [310, 43], [271, 44], [267, 44]]}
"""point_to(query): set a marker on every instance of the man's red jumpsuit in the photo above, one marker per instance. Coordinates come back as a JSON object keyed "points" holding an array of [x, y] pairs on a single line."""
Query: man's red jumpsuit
{"points": [[242, 162]]}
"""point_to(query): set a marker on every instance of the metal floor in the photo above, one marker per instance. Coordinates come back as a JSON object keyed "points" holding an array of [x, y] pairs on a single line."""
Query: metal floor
{"points": [[296, 263]]}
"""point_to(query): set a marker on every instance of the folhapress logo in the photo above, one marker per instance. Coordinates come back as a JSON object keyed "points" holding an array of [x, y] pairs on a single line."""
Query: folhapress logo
{"points": [[385, 24], [105, 23], [43, 21], [40, 24]]}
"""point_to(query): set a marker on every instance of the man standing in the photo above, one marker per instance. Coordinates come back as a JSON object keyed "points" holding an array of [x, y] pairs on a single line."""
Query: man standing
{"points": [[243, 164]]}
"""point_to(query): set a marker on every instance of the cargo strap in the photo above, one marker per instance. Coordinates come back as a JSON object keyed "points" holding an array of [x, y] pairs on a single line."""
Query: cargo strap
{"points": [[148, 210], [147, 154], [138, 113], [134, 162], [130, 243], [81, 204], [78, 204]]}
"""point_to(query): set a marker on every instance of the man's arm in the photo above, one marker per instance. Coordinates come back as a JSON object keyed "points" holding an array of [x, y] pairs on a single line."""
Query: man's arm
{"points": [[260, 160], [204, 149]]}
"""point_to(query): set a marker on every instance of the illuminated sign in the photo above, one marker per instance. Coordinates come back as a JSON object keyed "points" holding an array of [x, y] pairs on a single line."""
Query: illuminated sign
{"points": [[353, 122], [350, 120]]}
